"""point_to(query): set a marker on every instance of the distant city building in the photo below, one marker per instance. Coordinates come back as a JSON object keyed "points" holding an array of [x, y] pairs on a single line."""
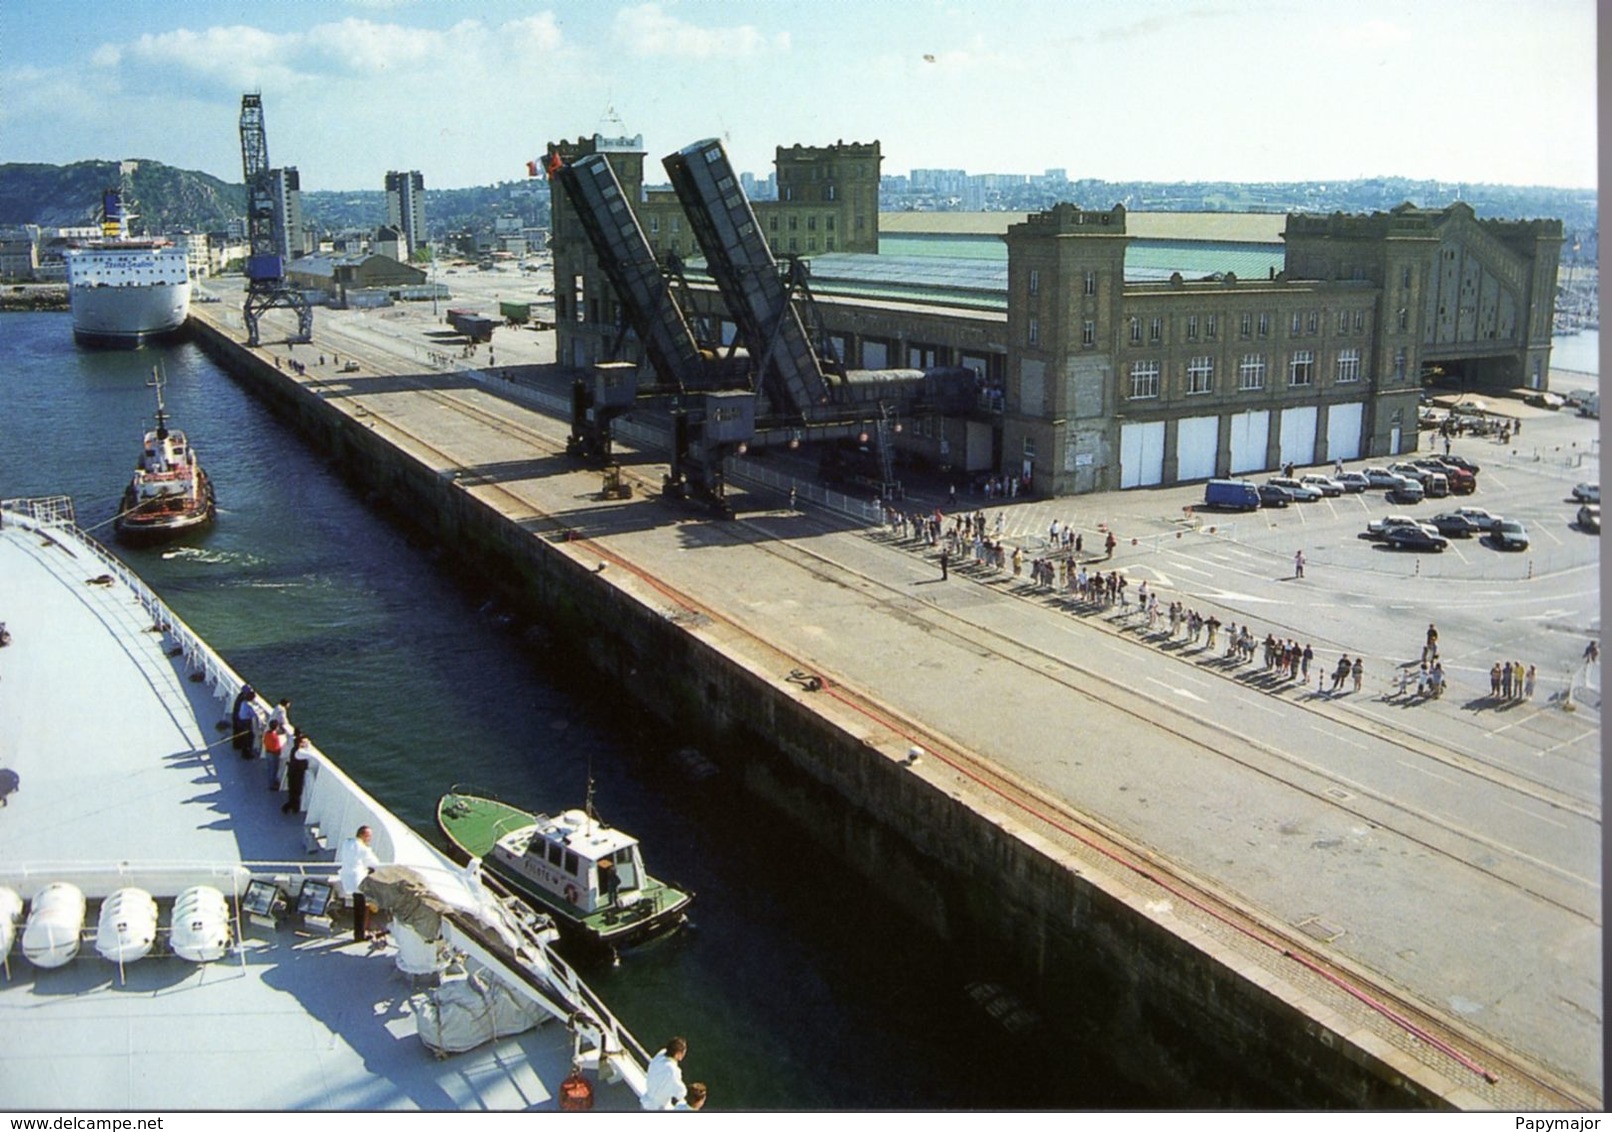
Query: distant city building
{"points": [[388, 241], [405, 209], [285, 185]]}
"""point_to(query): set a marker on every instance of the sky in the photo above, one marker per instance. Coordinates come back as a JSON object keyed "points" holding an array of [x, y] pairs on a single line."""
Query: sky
{"points": [[467, 91]]}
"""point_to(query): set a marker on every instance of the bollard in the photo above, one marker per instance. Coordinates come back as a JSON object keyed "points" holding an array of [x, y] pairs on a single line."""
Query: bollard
{"points": [[1418, 569], [1530, 569]]}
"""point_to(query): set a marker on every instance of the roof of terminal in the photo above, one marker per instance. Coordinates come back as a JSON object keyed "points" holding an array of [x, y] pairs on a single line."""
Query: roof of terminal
{"points": [[1211, 227]]}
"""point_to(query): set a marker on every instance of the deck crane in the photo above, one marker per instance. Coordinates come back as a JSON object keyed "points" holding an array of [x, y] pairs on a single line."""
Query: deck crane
{"points": [[266, 286]]}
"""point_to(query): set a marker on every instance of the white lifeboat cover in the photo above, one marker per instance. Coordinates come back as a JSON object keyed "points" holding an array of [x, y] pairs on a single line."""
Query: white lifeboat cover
{"points": [[51, 936], [201, 924], [10, 916], [128, 926]]}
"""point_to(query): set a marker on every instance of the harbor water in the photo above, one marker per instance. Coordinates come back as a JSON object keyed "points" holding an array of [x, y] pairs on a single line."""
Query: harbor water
{"points": [[797, 987]]}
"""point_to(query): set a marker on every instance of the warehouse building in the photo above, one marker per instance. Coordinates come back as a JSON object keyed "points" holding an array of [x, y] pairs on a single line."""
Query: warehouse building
{"points": [[1113, 350]]}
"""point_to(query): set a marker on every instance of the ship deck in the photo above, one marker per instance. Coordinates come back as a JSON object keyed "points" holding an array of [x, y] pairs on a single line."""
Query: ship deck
{"points": [[124, 775]]}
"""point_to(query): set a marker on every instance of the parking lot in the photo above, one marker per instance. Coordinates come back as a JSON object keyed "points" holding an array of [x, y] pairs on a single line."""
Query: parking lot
{"points": [[1538, 606]]}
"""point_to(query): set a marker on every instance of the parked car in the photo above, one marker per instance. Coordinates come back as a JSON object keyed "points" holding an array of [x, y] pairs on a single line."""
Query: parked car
{"points": [[1353, 482], [1544, 400], [1405, 490], [1410, 471], [1379, 477], [1510, 534], [1577, 397], [1452, 524], [1485, 520], [1272, 496], [1326, 485], [1587, 492], [1378, 528], [1415, 538], [1589, 517], [1301, 492], [1233, 495], [1461, 462]]}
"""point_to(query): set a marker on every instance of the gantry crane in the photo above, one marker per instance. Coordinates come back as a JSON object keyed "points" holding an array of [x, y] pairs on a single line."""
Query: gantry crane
{"points": [[266, 286]]}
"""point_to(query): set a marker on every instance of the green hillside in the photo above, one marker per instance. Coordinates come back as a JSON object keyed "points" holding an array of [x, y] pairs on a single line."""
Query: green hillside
{"points": [[165, 198]]}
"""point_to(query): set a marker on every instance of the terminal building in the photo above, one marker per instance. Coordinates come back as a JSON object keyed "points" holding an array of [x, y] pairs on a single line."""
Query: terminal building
{"points": [[1116, 350]]}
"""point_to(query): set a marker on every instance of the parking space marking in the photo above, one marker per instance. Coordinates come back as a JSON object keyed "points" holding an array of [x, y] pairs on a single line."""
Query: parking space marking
{"points": [[1458, 554], [1531, 813], [1548, 533], [1178, 691], [1338, 738], [1424, 770]]}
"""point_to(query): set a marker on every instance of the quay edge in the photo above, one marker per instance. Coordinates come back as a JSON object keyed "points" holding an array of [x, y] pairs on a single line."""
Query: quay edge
{"points": [[1173, 1005]]}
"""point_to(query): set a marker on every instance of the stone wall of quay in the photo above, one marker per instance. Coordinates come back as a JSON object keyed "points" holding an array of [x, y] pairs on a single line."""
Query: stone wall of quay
{"points": [[1192, 1023]]}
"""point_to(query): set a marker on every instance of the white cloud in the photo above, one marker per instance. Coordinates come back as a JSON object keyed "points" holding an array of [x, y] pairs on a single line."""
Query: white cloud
{"points": [[647, 31]]}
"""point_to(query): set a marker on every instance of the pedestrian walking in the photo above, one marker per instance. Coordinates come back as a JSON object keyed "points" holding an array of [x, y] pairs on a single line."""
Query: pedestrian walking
{"points": [[1358, 671], [945, 565], [1304, 662], [1337, 467], [1528, 682], [1109, 544], [1298, 564], [1430, 650], [1592, 653], [1505, 680], [1494, 681]]}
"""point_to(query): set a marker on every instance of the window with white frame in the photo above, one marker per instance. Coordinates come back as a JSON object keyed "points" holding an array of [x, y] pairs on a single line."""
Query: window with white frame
{"points": [[1192, 328], [1029, 448], [1155, 330], [1035, 331], [1301, 370], [1343, 322], [1251, 372], [1201, 374], [1211, 325], [1264, 326], [1348, 366], [1399, 364], [1360, 321], [1091, 282], [1035, 282], [1144, 380], [1314, 321], [1298, 323], [1088, 333], [1136, 330], [1245, 325], [1404, 318]]}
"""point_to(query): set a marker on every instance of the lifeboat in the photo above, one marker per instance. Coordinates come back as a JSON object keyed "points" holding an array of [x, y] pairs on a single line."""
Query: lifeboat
{"points": [[55, 925]]}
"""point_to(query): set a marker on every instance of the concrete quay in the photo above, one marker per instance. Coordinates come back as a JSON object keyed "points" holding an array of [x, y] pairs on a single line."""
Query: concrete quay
{"points": [[1224, 879]]}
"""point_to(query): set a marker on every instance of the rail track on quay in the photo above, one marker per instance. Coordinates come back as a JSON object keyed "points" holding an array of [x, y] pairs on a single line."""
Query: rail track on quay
{"points": [[1198, 902]]}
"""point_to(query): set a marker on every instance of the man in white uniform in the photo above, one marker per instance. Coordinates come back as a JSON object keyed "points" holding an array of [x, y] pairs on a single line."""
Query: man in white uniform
{"points": [[357, 861], [664, 1083]]}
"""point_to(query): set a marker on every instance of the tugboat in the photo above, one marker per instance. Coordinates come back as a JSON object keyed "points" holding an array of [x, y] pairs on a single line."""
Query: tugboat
{"points": [[169, 494], [589, 877]]}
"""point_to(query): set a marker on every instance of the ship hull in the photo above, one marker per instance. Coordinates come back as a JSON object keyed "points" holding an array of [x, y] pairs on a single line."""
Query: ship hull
{"points": [[127, 317]]}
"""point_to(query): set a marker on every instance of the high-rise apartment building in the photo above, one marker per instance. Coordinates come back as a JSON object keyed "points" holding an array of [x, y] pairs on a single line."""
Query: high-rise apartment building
{"points": [[286, 187], [405, 208]]}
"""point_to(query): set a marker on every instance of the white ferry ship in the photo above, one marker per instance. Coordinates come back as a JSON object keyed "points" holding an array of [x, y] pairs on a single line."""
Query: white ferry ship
{"points": [[126, 290], [171, 933]]}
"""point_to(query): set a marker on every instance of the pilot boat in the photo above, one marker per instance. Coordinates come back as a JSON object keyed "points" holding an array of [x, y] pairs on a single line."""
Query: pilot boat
{"points": [[169, 493], [589, 877]]}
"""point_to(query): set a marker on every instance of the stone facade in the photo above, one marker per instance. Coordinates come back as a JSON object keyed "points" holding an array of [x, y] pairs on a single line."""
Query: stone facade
{"points": [[1095, 384]]}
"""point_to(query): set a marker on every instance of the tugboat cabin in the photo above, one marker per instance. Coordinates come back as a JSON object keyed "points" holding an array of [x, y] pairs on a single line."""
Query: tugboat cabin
{"points": [[578, 860]]}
